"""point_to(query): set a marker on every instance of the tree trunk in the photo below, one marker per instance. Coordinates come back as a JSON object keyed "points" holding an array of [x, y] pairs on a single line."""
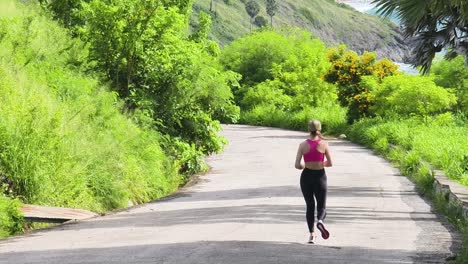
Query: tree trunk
{"points": [[271, 21]]}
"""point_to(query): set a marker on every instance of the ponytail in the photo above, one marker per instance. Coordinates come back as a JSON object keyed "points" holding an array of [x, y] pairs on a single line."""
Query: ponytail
{"points": [[315, 127]]}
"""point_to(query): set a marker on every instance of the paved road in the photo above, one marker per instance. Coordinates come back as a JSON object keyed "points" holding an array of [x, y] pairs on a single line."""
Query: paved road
{"points": [[249, 209]]}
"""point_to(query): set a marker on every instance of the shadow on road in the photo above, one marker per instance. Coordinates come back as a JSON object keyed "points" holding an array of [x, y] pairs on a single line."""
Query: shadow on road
{"points": [[228, 252], [222, 208]]}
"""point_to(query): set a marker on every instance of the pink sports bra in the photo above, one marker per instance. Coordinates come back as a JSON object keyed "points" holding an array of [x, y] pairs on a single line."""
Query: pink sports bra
{"points": [[313, 154]]}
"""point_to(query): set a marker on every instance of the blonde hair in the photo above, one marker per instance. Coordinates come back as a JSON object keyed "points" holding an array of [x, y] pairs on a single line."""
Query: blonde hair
{"points": [[314, 127]]}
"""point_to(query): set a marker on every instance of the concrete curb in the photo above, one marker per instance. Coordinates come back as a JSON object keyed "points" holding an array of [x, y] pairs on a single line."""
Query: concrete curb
{"points": [[455, 193]]}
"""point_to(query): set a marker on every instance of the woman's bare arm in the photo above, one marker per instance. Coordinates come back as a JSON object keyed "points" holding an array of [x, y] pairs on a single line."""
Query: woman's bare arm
{"points": [[328, 162], [298, 163]]}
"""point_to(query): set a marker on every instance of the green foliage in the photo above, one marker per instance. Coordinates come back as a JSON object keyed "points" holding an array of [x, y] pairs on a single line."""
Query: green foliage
{"points": [[63, 140], [69, 12], [348, 72], [290, 60], [333, 117], [260, 21], [411, 95], [65, 11], [453, 74], [282, 77], [186, 156], [252, 8], [201, 30], [439, 141], [154, 66], [10, 217], [254, 56]]}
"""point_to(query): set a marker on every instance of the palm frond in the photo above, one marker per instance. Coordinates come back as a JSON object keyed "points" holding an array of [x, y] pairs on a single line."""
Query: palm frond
{"points": [[424, 52], [436, 24], [386, 7], [410, 12], [413, 11]]}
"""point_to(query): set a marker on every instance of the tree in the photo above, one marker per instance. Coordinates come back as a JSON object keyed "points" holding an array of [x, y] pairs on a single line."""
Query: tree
{"points": [[260, 21], [64, 11], [213, 6], [348, 70], [156, 68], [284, 69], [271, 8], [436, 25], [252, 9]]}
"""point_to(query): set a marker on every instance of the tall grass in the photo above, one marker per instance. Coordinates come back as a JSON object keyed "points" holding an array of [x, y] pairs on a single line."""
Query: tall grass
{"points": [[441, 141], [63, 139], [333, 117]]}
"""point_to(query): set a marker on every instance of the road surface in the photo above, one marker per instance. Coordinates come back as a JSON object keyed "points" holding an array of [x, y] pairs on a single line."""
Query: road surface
{"points": [[249, 209]]}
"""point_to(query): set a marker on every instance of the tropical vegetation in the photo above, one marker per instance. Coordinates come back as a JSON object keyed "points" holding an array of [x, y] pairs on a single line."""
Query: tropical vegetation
{"points": [[282, 79], [435, 25], [109, 112], [111, 103]]}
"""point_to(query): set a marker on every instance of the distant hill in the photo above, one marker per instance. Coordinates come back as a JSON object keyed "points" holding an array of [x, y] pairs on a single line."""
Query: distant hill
{"points": [[332, 22]]}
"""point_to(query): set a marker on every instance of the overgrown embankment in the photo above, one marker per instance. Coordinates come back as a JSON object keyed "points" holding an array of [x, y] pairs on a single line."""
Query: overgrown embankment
{"points": [[63, 140], [98, 116]]}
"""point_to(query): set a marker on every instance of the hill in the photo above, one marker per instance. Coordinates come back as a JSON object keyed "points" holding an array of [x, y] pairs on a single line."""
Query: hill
{"points": [[334, 23]]}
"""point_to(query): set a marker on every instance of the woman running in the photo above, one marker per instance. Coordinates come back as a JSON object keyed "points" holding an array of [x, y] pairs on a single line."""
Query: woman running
{"points": [[313, 177]]}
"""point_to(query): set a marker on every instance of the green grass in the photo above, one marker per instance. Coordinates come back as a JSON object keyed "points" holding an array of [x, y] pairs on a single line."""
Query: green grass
{"points": [[440, 142], [333, 23]]}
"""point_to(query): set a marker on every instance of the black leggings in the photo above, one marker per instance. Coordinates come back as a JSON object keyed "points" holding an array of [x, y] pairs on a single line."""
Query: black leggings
{"points": [[314, 184]]}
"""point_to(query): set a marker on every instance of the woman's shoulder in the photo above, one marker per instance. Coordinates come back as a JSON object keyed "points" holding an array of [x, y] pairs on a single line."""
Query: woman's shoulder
{"points": [[322, 146], [304, 145]]}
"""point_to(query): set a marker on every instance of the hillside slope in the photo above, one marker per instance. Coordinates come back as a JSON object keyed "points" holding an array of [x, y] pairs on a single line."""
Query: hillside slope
{"points": [[332, 22]]}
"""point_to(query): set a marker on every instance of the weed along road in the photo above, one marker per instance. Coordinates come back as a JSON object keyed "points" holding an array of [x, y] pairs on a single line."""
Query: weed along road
{"points": [[249, 209]]}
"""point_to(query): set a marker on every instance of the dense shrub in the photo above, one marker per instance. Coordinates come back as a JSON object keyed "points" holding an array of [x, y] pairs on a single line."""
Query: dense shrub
{"points": [[348, 71], [10, 217], [453, 74], [411, 95], [282, 79]]}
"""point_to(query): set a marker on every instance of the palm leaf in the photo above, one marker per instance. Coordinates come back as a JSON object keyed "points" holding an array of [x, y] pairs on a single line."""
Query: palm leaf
{"points": [[410, 12]]}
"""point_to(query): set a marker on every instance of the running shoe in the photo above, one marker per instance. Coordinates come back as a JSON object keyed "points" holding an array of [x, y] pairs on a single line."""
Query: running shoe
{"points": [[323, 230], [312, 239]]}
